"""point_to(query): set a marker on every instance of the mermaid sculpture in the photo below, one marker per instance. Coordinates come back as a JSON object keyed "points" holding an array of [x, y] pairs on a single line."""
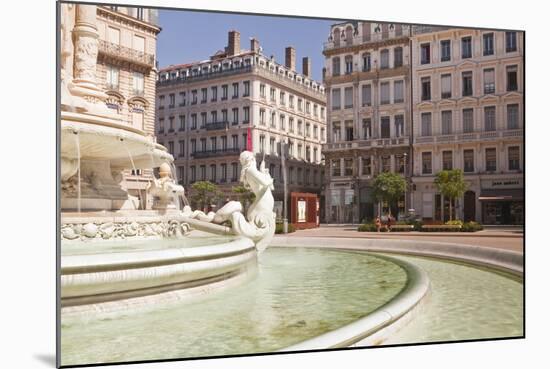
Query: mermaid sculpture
{"points": [[259, 223]]}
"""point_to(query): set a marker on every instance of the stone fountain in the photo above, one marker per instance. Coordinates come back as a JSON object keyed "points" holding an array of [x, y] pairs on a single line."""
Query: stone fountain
{"points": [[97, 147]]}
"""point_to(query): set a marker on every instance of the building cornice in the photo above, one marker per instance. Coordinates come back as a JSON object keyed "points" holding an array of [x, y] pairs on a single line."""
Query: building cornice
{"points": [[249, 72], [347, 49], [123, 18]]}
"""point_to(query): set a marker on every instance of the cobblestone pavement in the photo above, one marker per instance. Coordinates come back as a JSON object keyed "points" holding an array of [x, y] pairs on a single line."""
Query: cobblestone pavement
{"points": [[509, 239]]}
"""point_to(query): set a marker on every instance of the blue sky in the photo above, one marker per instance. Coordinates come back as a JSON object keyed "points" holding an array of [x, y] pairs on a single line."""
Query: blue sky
{"points": [[189, 36]]}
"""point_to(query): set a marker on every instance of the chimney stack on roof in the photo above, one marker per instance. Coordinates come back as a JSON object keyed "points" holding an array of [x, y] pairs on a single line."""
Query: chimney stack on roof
{"points": [[290, 58], [233, 43], [254, 45], [306, 67]]}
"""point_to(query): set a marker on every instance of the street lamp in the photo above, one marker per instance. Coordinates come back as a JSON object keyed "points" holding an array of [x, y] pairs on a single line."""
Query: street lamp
{"points": [[406, 173], [285, 193], [384, 189]]}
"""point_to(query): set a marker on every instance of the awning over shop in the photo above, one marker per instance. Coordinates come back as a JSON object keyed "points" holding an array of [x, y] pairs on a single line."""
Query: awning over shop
{"points": [[515, 194]]}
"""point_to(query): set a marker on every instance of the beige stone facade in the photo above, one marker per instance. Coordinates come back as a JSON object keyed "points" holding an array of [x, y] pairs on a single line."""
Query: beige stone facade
{"points": [[126, 71], [468, 114], [209, 112], [368, 87], [459, 101]]}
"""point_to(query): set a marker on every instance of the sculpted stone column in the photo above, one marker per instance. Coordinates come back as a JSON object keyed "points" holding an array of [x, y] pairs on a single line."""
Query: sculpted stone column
{"points": [[85, 41], [85, 37], [67, 20]]}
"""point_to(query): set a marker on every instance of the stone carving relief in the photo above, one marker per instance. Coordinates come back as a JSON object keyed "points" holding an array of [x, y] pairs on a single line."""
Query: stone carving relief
{"points": [[114, 230], [86, 58], [259, 223]]}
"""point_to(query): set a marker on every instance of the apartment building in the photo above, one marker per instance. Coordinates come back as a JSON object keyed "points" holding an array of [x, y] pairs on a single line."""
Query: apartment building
{"points": [[126, 71], [240, 99], [468, 114], [367, 76]]}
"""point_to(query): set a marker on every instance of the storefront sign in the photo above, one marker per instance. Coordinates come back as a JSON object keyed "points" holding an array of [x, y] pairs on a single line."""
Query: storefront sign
{"points": [[502, 183]]}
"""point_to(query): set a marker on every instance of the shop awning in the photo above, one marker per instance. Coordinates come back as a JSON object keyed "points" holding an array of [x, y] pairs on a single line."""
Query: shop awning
{"points": [[515, 194]]}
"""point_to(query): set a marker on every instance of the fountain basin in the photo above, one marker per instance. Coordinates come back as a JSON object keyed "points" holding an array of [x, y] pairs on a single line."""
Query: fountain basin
{"points": [[108, 139], [297, 294], [386, 322], [95, 150], [417, 287], [99, 278], [307, 299]]}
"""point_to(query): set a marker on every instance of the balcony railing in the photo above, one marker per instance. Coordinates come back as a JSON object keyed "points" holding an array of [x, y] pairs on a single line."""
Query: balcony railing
{"points": [[128, 54], [206, 75], [371, 142], [470, 137], [214, 126], [215, 153]]}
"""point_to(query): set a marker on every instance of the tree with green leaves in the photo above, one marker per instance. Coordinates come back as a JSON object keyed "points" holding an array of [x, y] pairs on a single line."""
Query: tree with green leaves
{"points": [[205, 193], [246, 197], [389, 187], [451, 184]]}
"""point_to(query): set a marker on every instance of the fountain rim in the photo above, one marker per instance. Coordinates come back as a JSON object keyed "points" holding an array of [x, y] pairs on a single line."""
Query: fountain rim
{"points": [[90, 263], [500, 260], [107, 128]]}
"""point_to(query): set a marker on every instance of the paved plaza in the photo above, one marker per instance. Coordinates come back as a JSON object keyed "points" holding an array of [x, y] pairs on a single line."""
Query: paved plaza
{"points": [[502, 238]]}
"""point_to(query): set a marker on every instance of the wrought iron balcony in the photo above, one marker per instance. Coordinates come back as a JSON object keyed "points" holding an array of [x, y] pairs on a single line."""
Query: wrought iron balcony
{"points": [[470, 136], [127, 54], [206, 75], [216, 153], [214, 126], [367, 143]]}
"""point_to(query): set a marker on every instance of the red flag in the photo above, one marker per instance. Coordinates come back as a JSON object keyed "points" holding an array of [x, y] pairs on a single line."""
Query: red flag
{"points": [[249, 139]]}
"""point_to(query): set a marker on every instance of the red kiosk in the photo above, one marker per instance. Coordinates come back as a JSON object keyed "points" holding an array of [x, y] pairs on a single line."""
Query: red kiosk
{"points": [[304, 210]]}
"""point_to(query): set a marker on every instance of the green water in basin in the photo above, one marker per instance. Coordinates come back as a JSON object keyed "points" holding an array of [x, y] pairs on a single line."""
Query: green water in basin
{"points": [[298, 294], [465, 303]]}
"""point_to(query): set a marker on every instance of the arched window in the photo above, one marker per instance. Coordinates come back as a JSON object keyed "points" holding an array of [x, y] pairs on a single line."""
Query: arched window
{"points": [[137, 107]]}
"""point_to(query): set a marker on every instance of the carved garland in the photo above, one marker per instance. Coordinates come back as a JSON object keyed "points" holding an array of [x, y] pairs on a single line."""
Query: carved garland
{"points": [[111, 230]]}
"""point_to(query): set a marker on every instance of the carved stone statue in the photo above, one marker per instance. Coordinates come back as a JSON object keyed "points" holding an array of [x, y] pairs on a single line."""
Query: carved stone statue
{"points": [[165, 190], [259, 223]]}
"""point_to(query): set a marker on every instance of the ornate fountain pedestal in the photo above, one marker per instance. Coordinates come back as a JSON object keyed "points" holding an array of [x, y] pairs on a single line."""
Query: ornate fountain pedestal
{"points": [[104, 148], [97, 145], [97, 149]]}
